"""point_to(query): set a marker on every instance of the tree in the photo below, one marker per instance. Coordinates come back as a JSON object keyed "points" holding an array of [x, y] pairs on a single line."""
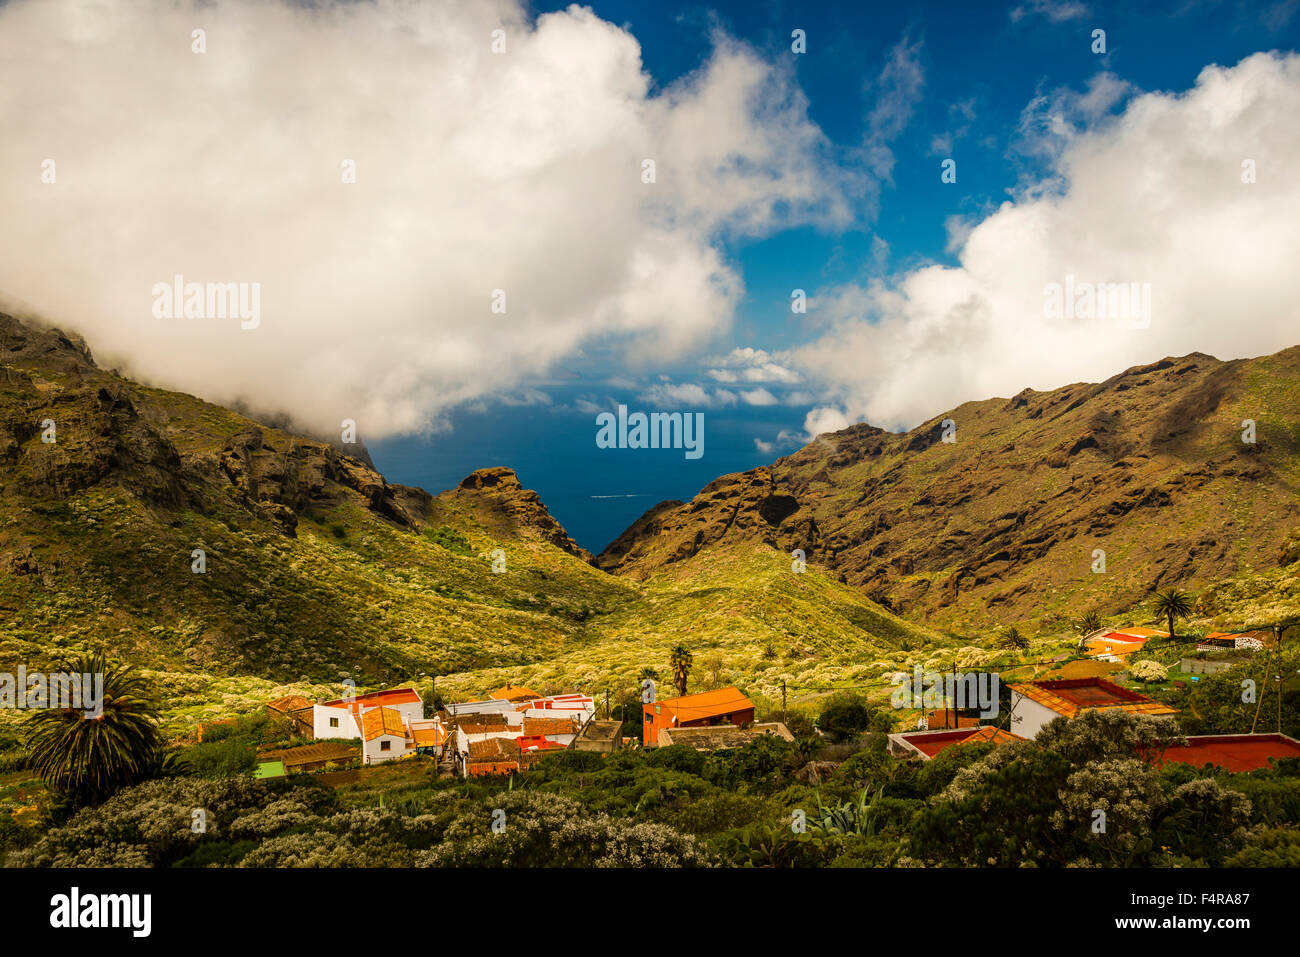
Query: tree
{"points": [[681, 659], [87, 758], [1012, 638], [1170, 604], [1089, 622], [846, 715]]}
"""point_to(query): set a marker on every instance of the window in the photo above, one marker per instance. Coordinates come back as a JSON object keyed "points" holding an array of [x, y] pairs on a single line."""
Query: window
{"points": [[334, 722], [385, 745]]}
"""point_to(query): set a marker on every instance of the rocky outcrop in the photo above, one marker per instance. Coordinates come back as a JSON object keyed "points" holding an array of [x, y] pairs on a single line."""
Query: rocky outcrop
{"points": [[498, 501]]}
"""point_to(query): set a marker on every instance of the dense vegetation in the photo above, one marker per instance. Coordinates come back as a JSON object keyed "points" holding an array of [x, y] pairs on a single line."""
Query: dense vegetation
{"points": [[1032, 803]]}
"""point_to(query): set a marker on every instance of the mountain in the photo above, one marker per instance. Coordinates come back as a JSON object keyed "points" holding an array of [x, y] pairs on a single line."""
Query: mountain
{"points": [[1000, 522], [315, 565], [315, 568]]}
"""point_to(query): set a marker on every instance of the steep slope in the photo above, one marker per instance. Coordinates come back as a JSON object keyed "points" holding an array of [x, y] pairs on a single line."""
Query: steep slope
{"points": [[316, 567], [747, 617], [1002, 523]]}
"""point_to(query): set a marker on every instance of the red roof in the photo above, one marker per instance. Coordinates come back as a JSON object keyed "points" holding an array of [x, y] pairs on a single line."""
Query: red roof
{"points": [[931, 743], [383, 699], [1233, 752]]}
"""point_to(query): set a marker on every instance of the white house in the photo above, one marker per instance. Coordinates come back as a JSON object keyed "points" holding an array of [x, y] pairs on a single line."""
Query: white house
{"points": [[341, 718], [1034, 704]]}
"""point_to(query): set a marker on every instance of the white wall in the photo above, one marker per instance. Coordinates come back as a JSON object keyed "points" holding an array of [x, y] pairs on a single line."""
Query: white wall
{"points": [[375, 755], [1028, 717], [320, 717]]}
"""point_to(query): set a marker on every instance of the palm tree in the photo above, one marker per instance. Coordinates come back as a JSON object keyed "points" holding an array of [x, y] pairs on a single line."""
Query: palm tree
{"points": [[1170, 604], [88, 757], [1089, 622], [1012, 638], [680, 659]]}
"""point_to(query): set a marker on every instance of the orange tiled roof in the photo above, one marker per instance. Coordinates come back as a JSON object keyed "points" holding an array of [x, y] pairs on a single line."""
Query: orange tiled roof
{"points": [[1072, 695], [378, 699], [991, 733], [514, 693], [707, 704], [493, 749], [429, 737], [549, 726], [482, 723], [290, 702], [381, 721]]}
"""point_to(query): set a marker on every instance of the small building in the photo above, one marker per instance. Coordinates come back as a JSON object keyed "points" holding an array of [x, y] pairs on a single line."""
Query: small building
{"points": [[312, 757], [707, 708], [722, 736], [604, 737], [493, 756], [341, 718], [295, 709], [1036, 703], [1235, 641], [1232, 752], [428, 737], [929, 744], [941, 719], [383, 735]]}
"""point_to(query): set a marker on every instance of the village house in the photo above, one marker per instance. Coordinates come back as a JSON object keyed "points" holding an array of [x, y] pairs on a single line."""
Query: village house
{"points": [[929, 744], [721, 706], [1110, 644], [294, 709], [341, 718], [389, 724], [722, 736], [604, 737], [504, 734], [1036, 703], [1235, 641]]}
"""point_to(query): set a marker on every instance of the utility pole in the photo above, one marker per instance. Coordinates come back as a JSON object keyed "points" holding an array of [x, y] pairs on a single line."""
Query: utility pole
{"points": [[783, 701], [606, 704], [954, 694]]}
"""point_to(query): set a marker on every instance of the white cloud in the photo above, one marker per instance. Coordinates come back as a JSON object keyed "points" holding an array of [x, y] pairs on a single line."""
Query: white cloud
{"points": [[475, 172], [746, 364], [1154, 195], [667, 395], [897, 92], [1056, 11], [759, 396]]}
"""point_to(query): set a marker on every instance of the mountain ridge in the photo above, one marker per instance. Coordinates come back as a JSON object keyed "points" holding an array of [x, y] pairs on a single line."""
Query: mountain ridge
{"points": [[1088, 464]]}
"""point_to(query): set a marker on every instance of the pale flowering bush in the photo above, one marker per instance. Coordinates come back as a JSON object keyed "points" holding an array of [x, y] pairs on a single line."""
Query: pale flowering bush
{"points": [[544, 829], [1149, 671]]}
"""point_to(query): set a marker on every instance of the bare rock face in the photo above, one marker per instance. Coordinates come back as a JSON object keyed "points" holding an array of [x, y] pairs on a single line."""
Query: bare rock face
{"points": [[1149, 467], [499, 502]]}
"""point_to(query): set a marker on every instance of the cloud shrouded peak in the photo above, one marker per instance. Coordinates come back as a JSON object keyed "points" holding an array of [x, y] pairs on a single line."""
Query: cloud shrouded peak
{"points": [[475, 171], [1190, 197]]}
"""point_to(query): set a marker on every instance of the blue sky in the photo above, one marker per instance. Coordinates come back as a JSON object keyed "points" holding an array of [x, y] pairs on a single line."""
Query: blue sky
{"points": [[977, 68]]}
